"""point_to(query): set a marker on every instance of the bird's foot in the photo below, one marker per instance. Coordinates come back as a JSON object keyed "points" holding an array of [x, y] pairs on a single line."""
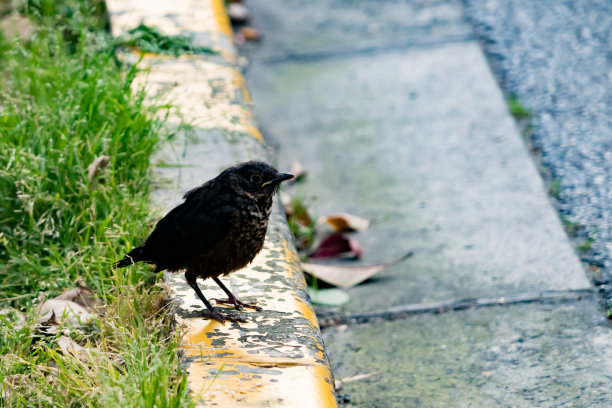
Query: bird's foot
{"points": [[238, 304], [222, 317]]}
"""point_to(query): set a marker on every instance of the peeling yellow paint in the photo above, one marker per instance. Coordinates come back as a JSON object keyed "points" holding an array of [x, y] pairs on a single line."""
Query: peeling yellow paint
{"points": [[277, 358], [255, 132], [248, 364], [202, 92], [240, 83]]}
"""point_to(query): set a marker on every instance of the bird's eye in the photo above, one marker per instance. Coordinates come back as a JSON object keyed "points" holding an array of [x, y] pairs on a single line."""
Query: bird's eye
{"points": [[256, 178]]}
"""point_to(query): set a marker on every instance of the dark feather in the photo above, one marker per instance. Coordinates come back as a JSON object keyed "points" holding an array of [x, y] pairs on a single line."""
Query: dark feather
{"points": [[219, 228]]}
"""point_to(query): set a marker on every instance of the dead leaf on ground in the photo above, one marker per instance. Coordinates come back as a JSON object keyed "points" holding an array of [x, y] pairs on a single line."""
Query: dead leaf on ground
{"points": [[84, 296], [348, 276], [65, 343], [75, 307], [337, 245], [344, 222], [250, 33], [98, 164], [55, 311]]}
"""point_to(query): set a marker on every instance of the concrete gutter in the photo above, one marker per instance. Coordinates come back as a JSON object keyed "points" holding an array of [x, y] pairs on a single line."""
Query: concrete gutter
{"points": [[278, 357]]}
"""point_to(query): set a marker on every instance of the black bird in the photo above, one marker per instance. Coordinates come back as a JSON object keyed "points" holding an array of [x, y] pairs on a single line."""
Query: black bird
{"points": [[218, 229]]}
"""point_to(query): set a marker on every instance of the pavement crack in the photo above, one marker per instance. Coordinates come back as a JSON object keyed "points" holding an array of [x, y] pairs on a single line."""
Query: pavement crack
{"points": [[368, 50], [400, 312]]}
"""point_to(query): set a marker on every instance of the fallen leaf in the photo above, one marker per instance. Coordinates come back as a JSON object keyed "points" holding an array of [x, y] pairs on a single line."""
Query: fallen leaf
{"points": [[337, 245], [65, 343], [344, 222], [328, 296], [98, 164], [250, 34], [84, 296], [348, 276], [55, 311]]}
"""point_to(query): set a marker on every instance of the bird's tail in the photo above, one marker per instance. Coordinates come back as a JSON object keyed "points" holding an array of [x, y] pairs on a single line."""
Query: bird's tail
{"points": [[131, 258]]}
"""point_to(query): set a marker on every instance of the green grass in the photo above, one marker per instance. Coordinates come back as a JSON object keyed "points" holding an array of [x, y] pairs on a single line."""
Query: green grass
{"points": [[64, 100], [555, 188], [517, 109], [570, 227], [149, 39], [586, 244]]}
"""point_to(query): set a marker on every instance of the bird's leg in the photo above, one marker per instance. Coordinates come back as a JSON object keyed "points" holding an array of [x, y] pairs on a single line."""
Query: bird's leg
{"points": [[233, 300], [212, 313]]}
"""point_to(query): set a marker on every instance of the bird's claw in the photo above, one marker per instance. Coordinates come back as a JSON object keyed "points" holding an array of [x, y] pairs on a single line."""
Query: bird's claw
{"points": [[222, 317], [238, 304]]}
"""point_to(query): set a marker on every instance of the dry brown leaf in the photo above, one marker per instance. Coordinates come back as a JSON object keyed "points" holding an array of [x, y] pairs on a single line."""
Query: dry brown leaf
{"points": [[65, 343], [344, 222], [348, 276], [84, 296], [98, 164], [337, 245], [54, 311], [250, 34]]}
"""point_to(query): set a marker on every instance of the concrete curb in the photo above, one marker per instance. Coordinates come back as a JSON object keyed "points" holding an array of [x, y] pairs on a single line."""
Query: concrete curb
{"points": [[278, 357]]}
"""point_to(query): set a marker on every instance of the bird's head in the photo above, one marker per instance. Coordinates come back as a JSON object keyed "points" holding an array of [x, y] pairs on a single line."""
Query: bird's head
{"points": [[257, 178]]}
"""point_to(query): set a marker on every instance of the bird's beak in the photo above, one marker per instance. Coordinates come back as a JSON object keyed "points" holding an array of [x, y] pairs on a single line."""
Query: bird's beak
{"points": [[283, 177], [279, 178]]}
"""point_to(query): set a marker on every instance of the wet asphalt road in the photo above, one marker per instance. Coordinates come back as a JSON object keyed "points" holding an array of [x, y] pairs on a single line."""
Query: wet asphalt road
{"points": [[556, 56]]}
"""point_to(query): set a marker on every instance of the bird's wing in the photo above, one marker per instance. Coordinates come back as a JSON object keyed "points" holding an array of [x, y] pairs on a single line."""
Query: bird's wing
{"points": [[187, 231]]}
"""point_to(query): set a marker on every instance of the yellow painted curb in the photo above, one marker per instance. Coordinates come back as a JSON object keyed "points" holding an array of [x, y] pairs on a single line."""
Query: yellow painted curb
{"points": [[278, 358], [223, 22]]}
